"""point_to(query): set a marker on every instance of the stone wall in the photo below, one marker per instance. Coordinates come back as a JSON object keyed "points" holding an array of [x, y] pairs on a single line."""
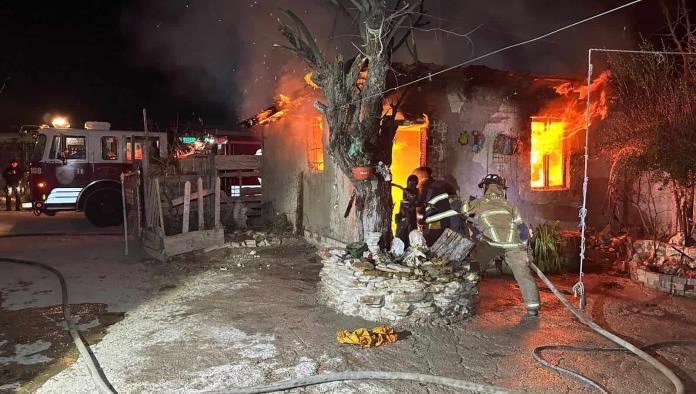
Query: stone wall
{"points": [[659, 266], [438, 294]]}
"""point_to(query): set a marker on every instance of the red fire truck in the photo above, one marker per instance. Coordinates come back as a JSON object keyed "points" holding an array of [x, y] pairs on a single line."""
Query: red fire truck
{"points": [[79, 169]]}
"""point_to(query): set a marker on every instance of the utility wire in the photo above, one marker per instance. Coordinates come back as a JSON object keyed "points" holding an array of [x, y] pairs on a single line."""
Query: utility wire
{"points": [[431, 75]]}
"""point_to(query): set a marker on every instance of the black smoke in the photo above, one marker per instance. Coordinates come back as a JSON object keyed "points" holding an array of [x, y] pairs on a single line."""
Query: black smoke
{"points": [[222, 49]]}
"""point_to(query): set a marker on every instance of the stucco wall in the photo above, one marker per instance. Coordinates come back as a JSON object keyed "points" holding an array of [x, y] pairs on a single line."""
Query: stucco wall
{"points": [[284, 158], [325, 195]]}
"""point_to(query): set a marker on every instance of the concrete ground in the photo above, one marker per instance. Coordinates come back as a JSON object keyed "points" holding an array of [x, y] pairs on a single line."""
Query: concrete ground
{"points": [[231, 319]]}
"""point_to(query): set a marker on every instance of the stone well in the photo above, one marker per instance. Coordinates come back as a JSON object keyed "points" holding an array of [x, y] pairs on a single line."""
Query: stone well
{"points": [[435, 292]]}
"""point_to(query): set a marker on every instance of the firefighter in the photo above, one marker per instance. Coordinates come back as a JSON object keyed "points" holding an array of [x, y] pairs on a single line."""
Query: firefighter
{"points": [[406, 218], [503, 234], [434, 198], [12, 175]]}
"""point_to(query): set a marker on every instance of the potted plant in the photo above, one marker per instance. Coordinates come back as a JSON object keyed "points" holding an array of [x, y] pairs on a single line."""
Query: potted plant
{"points": [[362, 170]]}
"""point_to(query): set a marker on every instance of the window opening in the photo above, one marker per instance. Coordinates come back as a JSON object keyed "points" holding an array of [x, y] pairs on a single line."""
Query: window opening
{"points": [[315, 146], [75, 148], [547, 156], [109, 148]]}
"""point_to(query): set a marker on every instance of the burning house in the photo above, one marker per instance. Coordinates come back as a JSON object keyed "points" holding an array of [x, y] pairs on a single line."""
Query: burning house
{"points": [[463, 124]]}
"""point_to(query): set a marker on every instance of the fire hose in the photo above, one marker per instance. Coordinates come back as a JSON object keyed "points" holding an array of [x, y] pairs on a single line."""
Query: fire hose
{"points": [[95, 372], [103, 385]]}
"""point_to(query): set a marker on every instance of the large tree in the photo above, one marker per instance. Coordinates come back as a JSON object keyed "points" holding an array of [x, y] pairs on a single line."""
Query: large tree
{"points": [[360, 134], [652, 129]]}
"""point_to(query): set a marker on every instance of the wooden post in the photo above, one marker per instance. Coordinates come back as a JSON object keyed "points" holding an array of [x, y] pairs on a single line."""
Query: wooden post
{"points": [[201, 213], [125, 213], [217, 202], [146, 150], [187, 207], [136, 174], [158, 202]]}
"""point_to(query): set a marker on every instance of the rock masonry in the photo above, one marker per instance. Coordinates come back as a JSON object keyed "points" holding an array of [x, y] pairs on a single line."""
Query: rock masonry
{"points": [[434, 292], [662, 266]]}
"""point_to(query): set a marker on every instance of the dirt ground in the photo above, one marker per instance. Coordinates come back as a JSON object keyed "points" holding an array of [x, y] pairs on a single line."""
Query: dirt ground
{"points": [[241, 317]]}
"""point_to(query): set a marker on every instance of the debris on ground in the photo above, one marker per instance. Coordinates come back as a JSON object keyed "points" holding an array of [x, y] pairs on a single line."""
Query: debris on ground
{"points": [[365, 338], [664, 258]]}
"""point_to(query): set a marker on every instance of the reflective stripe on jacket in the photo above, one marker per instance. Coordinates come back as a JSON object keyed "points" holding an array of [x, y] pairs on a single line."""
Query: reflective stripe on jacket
{"points": [[497, 219]]}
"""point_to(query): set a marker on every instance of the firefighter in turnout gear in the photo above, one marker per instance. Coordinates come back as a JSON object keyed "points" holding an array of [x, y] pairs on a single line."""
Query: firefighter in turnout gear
{"points": [[434, 199], [503, 234]]}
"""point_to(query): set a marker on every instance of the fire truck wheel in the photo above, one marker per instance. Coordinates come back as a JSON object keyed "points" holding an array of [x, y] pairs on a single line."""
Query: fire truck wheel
{"points": [[104, 208], [50, 213]]}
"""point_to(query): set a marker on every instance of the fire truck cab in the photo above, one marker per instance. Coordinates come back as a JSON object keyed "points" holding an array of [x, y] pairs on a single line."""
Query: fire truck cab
{"points": [[80, 169]]}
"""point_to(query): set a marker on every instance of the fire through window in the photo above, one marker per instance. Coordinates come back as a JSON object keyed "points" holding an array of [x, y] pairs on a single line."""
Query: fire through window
{"points": [[547, 156], [315, 146]]}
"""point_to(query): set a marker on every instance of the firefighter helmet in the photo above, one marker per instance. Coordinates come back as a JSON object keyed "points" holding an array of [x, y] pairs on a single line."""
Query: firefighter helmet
{"points": [[492, 179]]}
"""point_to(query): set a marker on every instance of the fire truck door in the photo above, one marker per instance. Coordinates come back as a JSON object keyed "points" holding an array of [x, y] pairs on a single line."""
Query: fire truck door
{"points": [[76, 170]]}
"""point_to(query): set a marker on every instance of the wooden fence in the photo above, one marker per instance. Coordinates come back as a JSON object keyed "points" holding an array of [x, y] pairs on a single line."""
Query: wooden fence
{"points": [[166, 207], [237, 174]]}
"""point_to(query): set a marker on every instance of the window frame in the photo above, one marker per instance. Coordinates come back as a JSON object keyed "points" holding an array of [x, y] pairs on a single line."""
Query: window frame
{"points": [[115, 140], [64, 144]]}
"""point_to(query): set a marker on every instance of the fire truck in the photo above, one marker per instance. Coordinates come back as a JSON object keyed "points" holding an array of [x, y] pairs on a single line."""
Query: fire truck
{"points": [[80, 169]]}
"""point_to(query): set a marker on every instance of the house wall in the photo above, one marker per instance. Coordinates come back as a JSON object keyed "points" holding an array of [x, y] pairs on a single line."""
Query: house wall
{"points": [[325, 195], [281, 167], [492, 114]]}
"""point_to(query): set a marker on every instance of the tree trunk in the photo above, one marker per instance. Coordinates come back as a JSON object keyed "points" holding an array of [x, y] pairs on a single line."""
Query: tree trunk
{"points": [[374, 208]]}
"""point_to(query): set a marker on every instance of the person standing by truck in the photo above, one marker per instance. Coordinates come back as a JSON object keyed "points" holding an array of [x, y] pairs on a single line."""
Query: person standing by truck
{"points": [[12, 175]]}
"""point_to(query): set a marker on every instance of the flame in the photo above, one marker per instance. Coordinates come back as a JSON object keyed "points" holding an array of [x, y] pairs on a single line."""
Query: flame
{"points": [[571, 103], [555, 128], [315, 146], [271, 114], [407, 155], [547, 154], [308, 79]]}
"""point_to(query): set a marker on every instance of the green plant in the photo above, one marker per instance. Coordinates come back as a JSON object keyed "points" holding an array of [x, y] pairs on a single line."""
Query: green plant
{"points": [[281, 224], [546, 244]]}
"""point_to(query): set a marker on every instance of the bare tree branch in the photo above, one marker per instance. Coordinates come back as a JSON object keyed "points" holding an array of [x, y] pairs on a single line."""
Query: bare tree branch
{"points": [[4, 83]]}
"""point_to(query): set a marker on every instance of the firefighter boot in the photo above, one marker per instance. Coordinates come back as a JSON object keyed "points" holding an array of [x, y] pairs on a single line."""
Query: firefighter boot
{"points": [[518, 261]]}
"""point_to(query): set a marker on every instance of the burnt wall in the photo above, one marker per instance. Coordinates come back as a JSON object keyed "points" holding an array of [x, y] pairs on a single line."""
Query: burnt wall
{"points": [[491, 113]]}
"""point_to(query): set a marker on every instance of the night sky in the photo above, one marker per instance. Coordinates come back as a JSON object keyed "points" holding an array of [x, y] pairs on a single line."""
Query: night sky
{"points": [[212, 60]]}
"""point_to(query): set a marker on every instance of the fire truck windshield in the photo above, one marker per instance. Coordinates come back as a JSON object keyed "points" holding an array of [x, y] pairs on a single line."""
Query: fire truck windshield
{"points": [[39, 146]]}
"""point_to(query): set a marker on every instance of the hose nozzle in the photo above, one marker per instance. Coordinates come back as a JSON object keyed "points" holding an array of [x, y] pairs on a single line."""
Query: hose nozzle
{"points": [[579, 291]]}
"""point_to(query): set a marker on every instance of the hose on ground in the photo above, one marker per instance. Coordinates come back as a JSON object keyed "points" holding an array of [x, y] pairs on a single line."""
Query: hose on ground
{"points": [[61, 235], [370, 375], [536, 353], [96, 373], [678, 385]]}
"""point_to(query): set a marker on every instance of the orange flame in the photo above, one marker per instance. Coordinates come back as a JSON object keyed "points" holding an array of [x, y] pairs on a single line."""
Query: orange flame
{"points": [[308, 80], [556, 127], [271, 114]]}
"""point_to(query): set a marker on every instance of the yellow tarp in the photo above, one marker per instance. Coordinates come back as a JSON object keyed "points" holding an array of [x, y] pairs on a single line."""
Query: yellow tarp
{"points": [[365, 338]]}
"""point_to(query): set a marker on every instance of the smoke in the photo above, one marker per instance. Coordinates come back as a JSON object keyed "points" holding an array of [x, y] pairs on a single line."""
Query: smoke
{"points": [[222, 49]]}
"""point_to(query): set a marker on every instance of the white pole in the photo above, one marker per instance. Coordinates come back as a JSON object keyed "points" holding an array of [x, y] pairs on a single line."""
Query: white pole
{"points": [[125, 214], [579, 288]]}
